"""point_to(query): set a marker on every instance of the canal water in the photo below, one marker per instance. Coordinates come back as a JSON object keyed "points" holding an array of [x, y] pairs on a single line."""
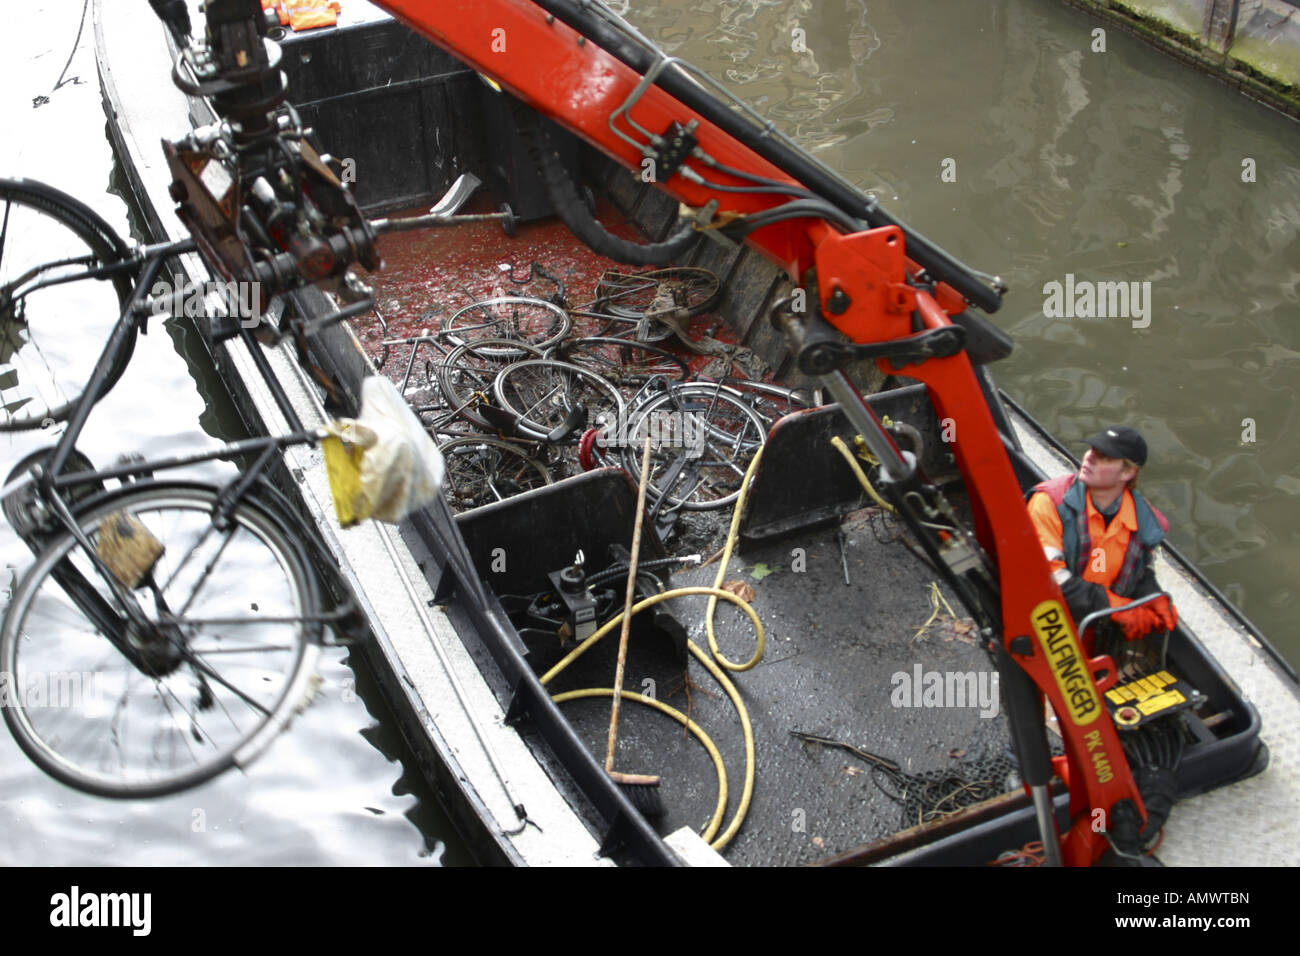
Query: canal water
{"points": [[1037, 145], [336, 788], [1009, 131]]}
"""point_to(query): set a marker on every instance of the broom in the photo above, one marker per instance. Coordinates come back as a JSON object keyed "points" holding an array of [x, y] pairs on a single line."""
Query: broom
{"points": [[640, 788]]}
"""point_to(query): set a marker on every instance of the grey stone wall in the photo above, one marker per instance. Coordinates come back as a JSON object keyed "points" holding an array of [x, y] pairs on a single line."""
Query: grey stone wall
{"points": [[1253, 45]]}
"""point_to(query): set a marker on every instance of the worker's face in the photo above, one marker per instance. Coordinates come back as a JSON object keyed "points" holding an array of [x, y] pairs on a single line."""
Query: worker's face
{"points": [[1104, 474]]}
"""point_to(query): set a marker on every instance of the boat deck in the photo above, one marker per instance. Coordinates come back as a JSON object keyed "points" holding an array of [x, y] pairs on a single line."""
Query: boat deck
{"points": [[834, 654], [833, 650]]}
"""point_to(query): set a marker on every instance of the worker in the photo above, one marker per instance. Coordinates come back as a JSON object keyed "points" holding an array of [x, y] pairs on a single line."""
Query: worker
{"points": [[1099, 534]]}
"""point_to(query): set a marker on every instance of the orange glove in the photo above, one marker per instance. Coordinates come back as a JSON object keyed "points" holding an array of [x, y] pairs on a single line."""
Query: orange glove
{"points": [[1154, 616], [1138, 622], [1164, 608]]}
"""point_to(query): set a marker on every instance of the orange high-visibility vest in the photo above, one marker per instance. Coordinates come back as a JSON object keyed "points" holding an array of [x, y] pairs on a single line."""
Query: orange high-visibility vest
{"points": [[1069, 525]]}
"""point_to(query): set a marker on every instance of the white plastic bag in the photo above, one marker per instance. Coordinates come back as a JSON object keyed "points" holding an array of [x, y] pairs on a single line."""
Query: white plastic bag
{"points": [[382, 465]]}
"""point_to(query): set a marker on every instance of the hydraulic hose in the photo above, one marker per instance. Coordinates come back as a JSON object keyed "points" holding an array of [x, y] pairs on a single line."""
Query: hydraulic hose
{"points": [[571, 209], [858, 473], [742, 713], [641, 605], [797, 164], [721, 768], [732, 534], [747, 793]]}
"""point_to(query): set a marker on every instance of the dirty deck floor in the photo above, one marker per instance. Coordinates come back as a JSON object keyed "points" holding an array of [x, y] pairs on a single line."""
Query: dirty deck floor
{"points": [[837, 660]]}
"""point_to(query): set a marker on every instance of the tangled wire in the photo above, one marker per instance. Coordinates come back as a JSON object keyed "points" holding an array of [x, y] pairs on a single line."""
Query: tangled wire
{"points": [[936, 794], [931, 794]]}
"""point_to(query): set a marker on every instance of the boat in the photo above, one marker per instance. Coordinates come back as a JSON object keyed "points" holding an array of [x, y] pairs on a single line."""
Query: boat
{"points": [[831, 751]]}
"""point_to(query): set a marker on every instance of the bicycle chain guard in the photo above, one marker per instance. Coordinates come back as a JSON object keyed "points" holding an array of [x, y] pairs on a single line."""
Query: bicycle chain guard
{"points": [[24, 508]]}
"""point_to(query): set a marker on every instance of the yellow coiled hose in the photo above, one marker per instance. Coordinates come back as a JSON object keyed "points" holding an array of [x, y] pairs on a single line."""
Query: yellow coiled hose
{"points": [[714, 594]]}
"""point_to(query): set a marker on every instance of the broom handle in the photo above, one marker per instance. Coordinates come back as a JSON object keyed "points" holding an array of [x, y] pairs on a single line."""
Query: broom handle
{"points": [[627, 606]]}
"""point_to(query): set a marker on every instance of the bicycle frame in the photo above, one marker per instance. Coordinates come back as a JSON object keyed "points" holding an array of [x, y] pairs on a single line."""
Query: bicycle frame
{"points": [[135, 314], [54, 486]]}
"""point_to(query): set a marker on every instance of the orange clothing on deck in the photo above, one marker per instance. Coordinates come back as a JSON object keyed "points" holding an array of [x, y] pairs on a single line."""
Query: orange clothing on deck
{"points": [[305, 14], [1108, 543]]}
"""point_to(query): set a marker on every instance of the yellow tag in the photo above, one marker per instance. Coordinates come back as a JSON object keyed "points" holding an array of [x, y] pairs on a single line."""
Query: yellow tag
{"points": [[343, 464], [1156, 704], [128, 548], [1068, 666]]}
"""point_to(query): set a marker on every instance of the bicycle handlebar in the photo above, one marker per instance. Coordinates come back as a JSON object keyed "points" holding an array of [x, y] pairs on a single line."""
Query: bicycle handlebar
{"points": [[1107, 612]]}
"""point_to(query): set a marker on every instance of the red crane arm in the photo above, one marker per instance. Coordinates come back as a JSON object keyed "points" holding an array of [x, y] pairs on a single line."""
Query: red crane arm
{"points": [[559, 72], [552, 68]]}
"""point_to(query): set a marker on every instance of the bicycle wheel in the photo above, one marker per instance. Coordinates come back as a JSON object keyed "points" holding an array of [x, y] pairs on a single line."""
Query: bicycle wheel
{"points": [[465, 377], [771, 402], [547, 394], [630, 298], [706, 430], [50, 334], [227, 645], [622, 362], [535, 322], [483, 470]]}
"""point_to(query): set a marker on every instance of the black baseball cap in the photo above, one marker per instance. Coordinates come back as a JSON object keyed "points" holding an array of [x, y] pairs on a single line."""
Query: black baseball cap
{"points": [[1120, 441]]}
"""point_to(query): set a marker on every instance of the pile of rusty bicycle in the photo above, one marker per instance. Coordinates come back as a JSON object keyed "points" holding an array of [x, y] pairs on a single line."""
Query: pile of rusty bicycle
{"points": [[517, 400]]}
